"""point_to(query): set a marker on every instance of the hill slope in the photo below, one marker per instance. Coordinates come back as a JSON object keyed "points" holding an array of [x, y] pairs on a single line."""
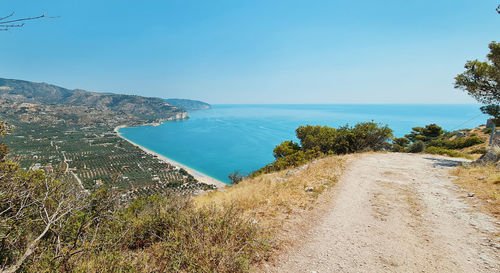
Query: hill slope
{"points": [[148, 109], [188, 105]]}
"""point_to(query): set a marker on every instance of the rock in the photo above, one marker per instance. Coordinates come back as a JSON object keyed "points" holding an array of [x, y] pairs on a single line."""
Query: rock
{"points": [[461, 134], [309, 189], [489, 157], [470, 194], [302, 167], [290, 173]]}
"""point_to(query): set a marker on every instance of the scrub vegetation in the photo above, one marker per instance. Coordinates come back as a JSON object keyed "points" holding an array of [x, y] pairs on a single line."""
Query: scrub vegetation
{"points": [[484, 182], [320, 141], [433, 139], [49, 225], [275, 200]]}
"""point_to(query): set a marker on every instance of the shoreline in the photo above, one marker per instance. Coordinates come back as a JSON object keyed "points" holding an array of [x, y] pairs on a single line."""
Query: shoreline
{"points": [[196, 174]]}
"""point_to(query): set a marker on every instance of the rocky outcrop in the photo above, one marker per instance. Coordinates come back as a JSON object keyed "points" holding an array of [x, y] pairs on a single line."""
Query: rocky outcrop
{"points": [[492, 156]]}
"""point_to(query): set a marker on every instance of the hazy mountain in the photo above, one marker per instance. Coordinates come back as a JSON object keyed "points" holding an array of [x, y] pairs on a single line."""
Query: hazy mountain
{"points": [[144, 108], [188, 105]]}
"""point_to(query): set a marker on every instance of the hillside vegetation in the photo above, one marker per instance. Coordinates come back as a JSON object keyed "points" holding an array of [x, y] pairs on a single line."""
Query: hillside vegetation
{"points": [[269, 199], [48, 225], [483, 182], [433, 139], [319, 141]]}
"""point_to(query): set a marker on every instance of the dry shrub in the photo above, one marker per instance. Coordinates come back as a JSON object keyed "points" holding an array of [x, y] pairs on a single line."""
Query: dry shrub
{"points": [[484, 182], [271, 198], [169, 234]]}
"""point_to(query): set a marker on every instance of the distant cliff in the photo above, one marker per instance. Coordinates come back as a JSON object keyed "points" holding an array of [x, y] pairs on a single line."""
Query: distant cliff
{"points": [[188, 105]]}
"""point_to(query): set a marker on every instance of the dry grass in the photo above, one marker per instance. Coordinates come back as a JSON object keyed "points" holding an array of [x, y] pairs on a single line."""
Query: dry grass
{"points": [[270, 199], [484, 182]]}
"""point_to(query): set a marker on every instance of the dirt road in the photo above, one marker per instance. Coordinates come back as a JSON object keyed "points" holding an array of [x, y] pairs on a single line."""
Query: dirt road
{"points": [[397, 213]]}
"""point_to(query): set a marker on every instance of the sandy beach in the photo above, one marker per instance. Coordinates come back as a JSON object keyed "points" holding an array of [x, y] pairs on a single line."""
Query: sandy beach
{"points": [[198, 175]]}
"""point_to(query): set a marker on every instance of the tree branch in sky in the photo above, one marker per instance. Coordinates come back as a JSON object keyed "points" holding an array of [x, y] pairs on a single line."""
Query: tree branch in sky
{"points": [[9, 21]]}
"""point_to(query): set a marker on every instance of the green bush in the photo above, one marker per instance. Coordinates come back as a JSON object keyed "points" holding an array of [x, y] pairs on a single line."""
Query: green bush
{"points": [[317, 141], [397, 148], [443, 151], [464, 142], [417, 147], [457, 143], [286, 148], [399, 144], [481, 150], [362, 137]]}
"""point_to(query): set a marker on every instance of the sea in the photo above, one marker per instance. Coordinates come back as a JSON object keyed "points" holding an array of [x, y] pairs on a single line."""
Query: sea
{"points": [[226, 138]]}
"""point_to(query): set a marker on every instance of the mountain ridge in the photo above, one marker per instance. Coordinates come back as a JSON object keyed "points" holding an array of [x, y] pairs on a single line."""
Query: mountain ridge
{"points": [[30, 92], [188, 105], [112, 107]]}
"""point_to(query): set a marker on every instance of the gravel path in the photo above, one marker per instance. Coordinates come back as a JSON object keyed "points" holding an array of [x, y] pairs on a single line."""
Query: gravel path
{"points": [[397, 213]]}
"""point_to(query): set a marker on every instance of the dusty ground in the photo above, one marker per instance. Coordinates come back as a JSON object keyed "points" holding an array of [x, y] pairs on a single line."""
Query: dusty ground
{"points": [[396, 213]]}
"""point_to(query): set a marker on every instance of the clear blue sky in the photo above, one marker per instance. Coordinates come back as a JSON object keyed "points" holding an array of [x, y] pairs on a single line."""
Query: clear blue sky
{"points": [[228, 51]]}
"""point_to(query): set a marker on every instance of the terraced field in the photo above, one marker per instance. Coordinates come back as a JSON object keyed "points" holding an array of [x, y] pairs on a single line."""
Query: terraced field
{"points": [[96, 156]]}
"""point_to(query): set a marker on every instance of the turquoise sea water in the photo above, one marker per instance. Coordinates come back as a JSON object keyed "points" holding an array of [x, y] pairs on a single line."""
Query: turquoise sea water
{"points": [[226, 138]]}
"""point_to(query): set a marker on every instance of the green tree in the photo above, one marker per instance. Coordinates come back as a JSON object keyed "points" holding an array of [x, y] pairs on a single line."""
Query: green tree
{"points": [[425, 134], [492, 110], [401, 141], [370, 136], [286, 148], [481, 80], [317, 141], [399, 144]]}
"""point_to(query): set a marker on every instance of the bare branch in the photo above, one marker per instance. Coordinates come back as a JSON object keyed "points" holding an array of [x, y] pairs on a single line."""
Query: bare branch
{"points": [[22, 19], [8, 16], [7, 24]]}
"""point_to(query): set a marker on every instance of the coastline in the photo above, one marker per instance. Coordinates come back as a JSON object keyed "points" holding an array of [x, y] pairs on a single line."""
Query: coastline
{"points": [[196, 174]]}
